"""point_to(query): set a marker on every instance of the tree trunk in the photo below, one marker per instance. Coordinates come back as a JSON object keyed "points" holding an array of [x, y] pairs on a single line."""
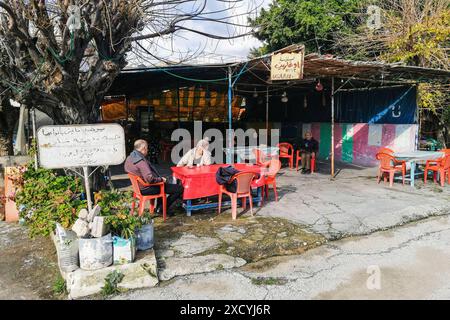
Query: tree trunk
{"points": [[8, 119]]}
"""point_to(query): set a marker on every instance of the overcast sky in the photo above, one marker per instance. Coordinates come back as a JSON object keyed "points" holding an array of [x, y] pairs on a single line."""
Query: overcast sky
{"points": [[196, 48]]}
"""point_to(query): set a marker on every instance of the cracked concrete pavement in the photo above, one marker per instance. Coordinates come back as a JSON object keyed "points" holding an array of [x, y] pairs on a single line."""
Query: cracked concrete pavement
{"points": [[353, 204], [367, 216], [410, 262]]}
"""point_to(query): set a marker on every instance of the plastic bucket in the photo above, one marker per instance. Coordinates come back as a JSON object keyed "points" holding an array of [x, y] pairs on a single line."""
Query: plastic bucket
{"points": [[145, 237], [96, 253]]}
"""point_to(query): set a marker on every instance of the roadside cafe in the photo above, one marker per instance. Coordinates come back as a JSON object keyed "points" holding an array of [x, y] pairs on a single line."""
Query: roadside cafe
{"points": [[353, 109]]}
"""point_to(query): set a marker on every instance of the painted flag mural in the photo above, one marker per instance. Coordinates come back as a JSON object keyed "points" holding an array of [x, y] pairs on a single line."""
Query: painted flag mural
{"points": [[358, 143]]}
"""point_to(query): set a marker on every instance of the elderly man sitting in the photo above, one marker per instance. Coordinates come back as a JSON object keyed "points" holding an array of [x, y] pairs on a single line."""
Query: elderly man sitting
{"points": [[309, 147], [137, 164]]}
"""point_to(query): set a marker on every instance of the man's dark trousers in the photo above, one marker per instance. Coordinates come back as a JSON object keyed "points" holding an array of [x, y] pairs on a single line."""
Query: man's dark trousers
{"points": [[174, 191]]}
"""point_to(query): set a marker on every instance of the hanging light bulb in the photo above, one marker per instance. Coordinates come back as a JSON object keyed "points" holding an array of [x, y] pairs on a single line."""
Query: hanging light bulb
{"points": [[255, 94], [319, 86], [284, 97]]}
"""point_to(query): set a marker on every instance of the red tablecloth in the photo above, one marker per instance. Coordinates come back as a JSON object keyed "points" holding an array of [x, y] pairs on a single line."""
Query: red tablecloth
{"points": [[200, 182]]}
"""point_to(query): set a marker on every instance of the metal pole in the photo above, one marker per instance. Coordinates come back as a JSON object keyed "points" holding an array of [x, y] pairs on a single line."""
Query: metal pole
{"points": [[267, 109], [33, 121], [332, 127], [178, 104], [87, 187], [230, 155]]}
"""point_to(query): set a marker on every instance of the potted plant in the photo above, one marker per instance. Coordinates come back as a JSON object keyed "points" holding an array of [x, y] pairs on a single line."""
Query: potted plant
{"points": [[123, 226], [145, 234]]}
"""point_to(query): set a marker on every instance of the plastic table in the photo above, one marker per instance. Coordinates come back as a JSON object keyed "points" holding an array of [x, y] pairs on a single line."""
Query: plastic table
{"points": [[415, 157], [200, 182]]}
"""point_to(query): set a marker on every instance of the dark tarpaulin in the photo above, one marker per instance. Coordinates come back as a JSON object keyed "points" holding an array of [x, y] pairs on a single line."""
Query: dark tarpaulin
{"points": [[396, 105]]}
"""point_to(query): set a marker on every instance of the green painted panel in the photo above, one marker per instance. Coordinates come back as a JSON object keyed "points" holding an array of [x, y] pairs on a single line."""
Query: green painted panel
{"points": [[347, 142], [325, 141]]}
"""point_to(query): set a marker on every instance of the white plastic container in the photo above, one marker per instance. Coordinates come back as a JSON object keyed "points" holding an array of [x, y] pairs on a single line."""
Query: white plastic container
{"points": [[96, 253], [66, 243]]}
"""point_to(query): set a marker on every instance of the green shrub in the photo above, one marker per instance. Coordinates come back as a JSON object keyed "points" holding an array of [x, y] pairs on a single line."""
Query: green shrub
{"points": [[47, 198], [111, 281], [116, 207], [59, 286]]}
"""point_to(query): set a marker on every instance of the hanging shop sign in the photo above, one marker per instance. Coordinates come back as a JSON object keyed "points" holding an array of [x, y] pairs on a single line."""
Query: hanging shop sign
{"points": [[287, 66], [89, 145]]}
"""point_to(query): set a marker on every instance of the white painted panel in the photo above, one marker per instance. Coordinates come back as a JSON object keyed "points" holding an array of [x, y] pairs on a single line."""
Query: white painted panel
{"points": [[375, 134], [404, 137], [81, 145]]}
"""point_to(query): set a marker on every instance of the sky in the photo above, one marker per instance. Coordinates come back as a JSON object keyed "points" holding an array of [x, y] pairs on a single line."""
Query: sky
{"points": [[190, 47]]}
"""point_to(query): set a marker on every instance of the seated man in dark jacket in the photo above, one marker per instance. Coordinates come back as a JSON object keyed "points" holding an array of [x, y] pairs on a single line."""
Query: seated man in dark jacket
{"points": [[137, 164], [308, 148]]}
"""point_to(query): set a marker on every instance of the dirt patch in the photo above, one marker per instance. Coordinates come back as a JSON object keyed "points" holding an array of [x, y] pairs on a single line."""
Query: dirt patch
{"points": [[250, 238], [269, 281], [28, 266]]}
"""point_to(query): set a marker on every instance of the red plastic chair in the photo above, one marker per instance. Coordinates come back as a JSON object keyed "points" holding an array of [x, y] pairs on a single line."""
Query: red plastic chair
{"points": [[442, 166], [391, 152], [274, 167], [243, 191], [437, 161], [261, 158], [136, 182], [287, 152], [388, 165], [313, 161]]}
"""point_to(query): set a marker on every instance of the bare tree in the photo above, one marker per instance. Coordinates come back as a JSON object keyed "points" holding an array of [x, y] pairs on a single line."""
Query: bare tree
{"points": [[8, 118], [61, 56], [415, 32]]}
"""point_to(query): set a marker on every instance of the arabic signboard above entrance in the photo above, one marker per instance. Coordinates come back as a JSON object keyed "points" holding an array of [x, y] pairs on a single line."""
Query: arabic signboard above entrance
{"points": [[287, 66], [87, 145]]}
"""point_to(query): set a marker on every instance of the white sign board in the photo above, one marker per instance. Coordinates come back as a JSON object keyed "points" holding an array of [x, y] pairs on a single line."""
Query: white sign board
{"points": [[87, 145]]}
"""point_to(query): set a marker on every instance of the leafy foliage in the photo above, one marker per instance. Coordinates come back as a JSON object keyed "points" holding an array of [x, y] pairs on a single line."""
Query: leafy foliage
{"points": [[46, 198], [423, 43], [116, 207], [59, 286], [311, 22], [111, 281]]}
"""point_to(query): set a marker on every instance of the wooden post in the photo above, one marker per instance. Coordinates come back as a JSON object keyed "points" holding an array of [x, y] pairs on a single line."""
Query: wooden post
{"points": [[230, 156], [87, 188], [33, 120], [267, 109], [332, 127]]}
